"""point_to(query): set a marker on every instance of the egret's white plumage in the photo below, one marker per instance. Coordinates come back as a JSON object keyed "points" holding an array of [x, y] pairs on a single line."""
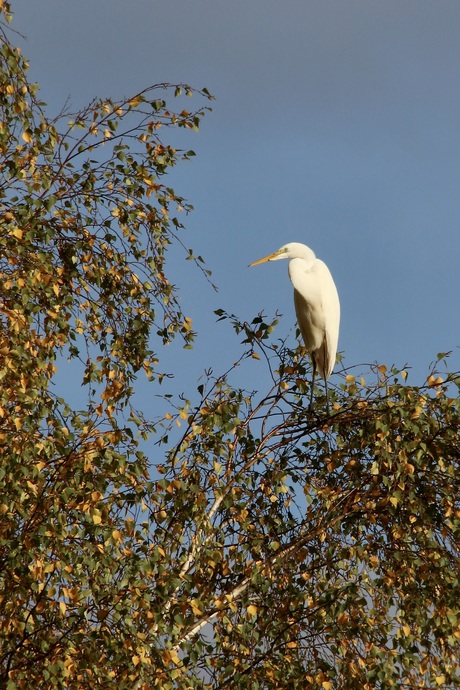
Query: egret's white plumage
{"points": [[316, 303]]}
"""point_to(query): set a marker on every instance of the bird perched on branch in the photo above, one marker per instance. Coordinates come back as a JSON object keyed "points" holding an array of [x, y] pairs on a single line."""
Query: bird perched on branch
{"points": [[316, 304]]}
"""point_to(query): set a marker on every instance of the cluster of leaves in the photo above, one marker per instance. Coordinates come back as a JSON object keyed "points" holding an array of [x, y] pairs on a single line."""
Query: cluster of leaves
{"points": [[270, 546], [86, 220], [315, 549], [86, 223]]}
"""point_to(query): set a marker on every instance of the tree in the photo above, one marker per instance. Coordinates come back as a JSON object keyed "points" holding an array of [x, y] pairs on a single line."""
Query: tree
{"points": [[257, 545], [322, 548]]}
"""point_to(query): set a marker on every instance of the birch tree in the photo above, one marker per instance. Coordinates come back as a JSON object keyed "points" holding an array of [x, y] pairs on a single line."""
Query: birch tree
{"points": [[236, 540]]}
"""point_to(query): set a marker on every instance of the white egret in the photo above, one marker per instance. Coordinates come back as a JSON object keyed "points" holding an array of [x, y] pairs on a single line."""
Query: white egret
{"points": [[316, 303]]}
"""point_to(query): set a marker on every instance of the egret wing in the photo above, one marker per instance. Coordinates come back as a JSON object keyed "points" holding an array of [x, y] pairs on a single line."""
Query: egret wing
{"points": [[331, 312]]}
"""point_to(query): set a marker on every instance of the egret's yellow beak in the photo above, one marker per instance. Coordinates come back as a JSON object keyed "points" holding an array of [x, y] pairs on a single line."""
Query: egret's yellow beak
{"points": [[270, 257]]}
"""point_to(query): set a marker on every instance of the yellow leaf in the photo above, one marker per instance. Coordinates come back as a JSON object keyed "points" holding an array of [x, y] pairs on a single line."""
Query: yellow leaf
{"points": [[254, 355], [432, 381], [174, 656], [252, 610], [417, 412], [49, 568], [406, 630], [27, 137], [196, 607], [394, 501], [97, 518], [350, 379], [440, 680], [17, 232], [326, 684], [169, 655], [63, 607]]}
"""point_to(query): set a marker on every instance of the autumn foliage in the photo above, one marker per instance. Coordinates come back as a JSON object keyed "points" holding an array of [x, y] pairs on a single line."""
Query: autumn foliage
{"points": [[239, 540]]}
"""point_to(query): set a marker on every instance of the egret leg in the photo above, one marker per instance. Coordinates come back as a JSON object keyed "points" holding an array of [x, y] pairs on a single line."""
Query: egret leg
{"points": [[312, 385], [327, 398]]}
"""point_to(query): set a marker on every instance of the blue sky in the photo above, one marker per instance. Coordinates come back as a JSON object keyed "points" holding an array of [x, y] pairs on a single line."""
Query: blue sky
{"points": [[336, 124]]}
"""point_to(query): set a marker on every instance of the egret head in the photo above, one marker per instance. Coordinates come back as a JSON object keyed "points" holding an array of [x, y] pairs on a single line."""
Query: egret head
{"points": [[292, 250]]}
